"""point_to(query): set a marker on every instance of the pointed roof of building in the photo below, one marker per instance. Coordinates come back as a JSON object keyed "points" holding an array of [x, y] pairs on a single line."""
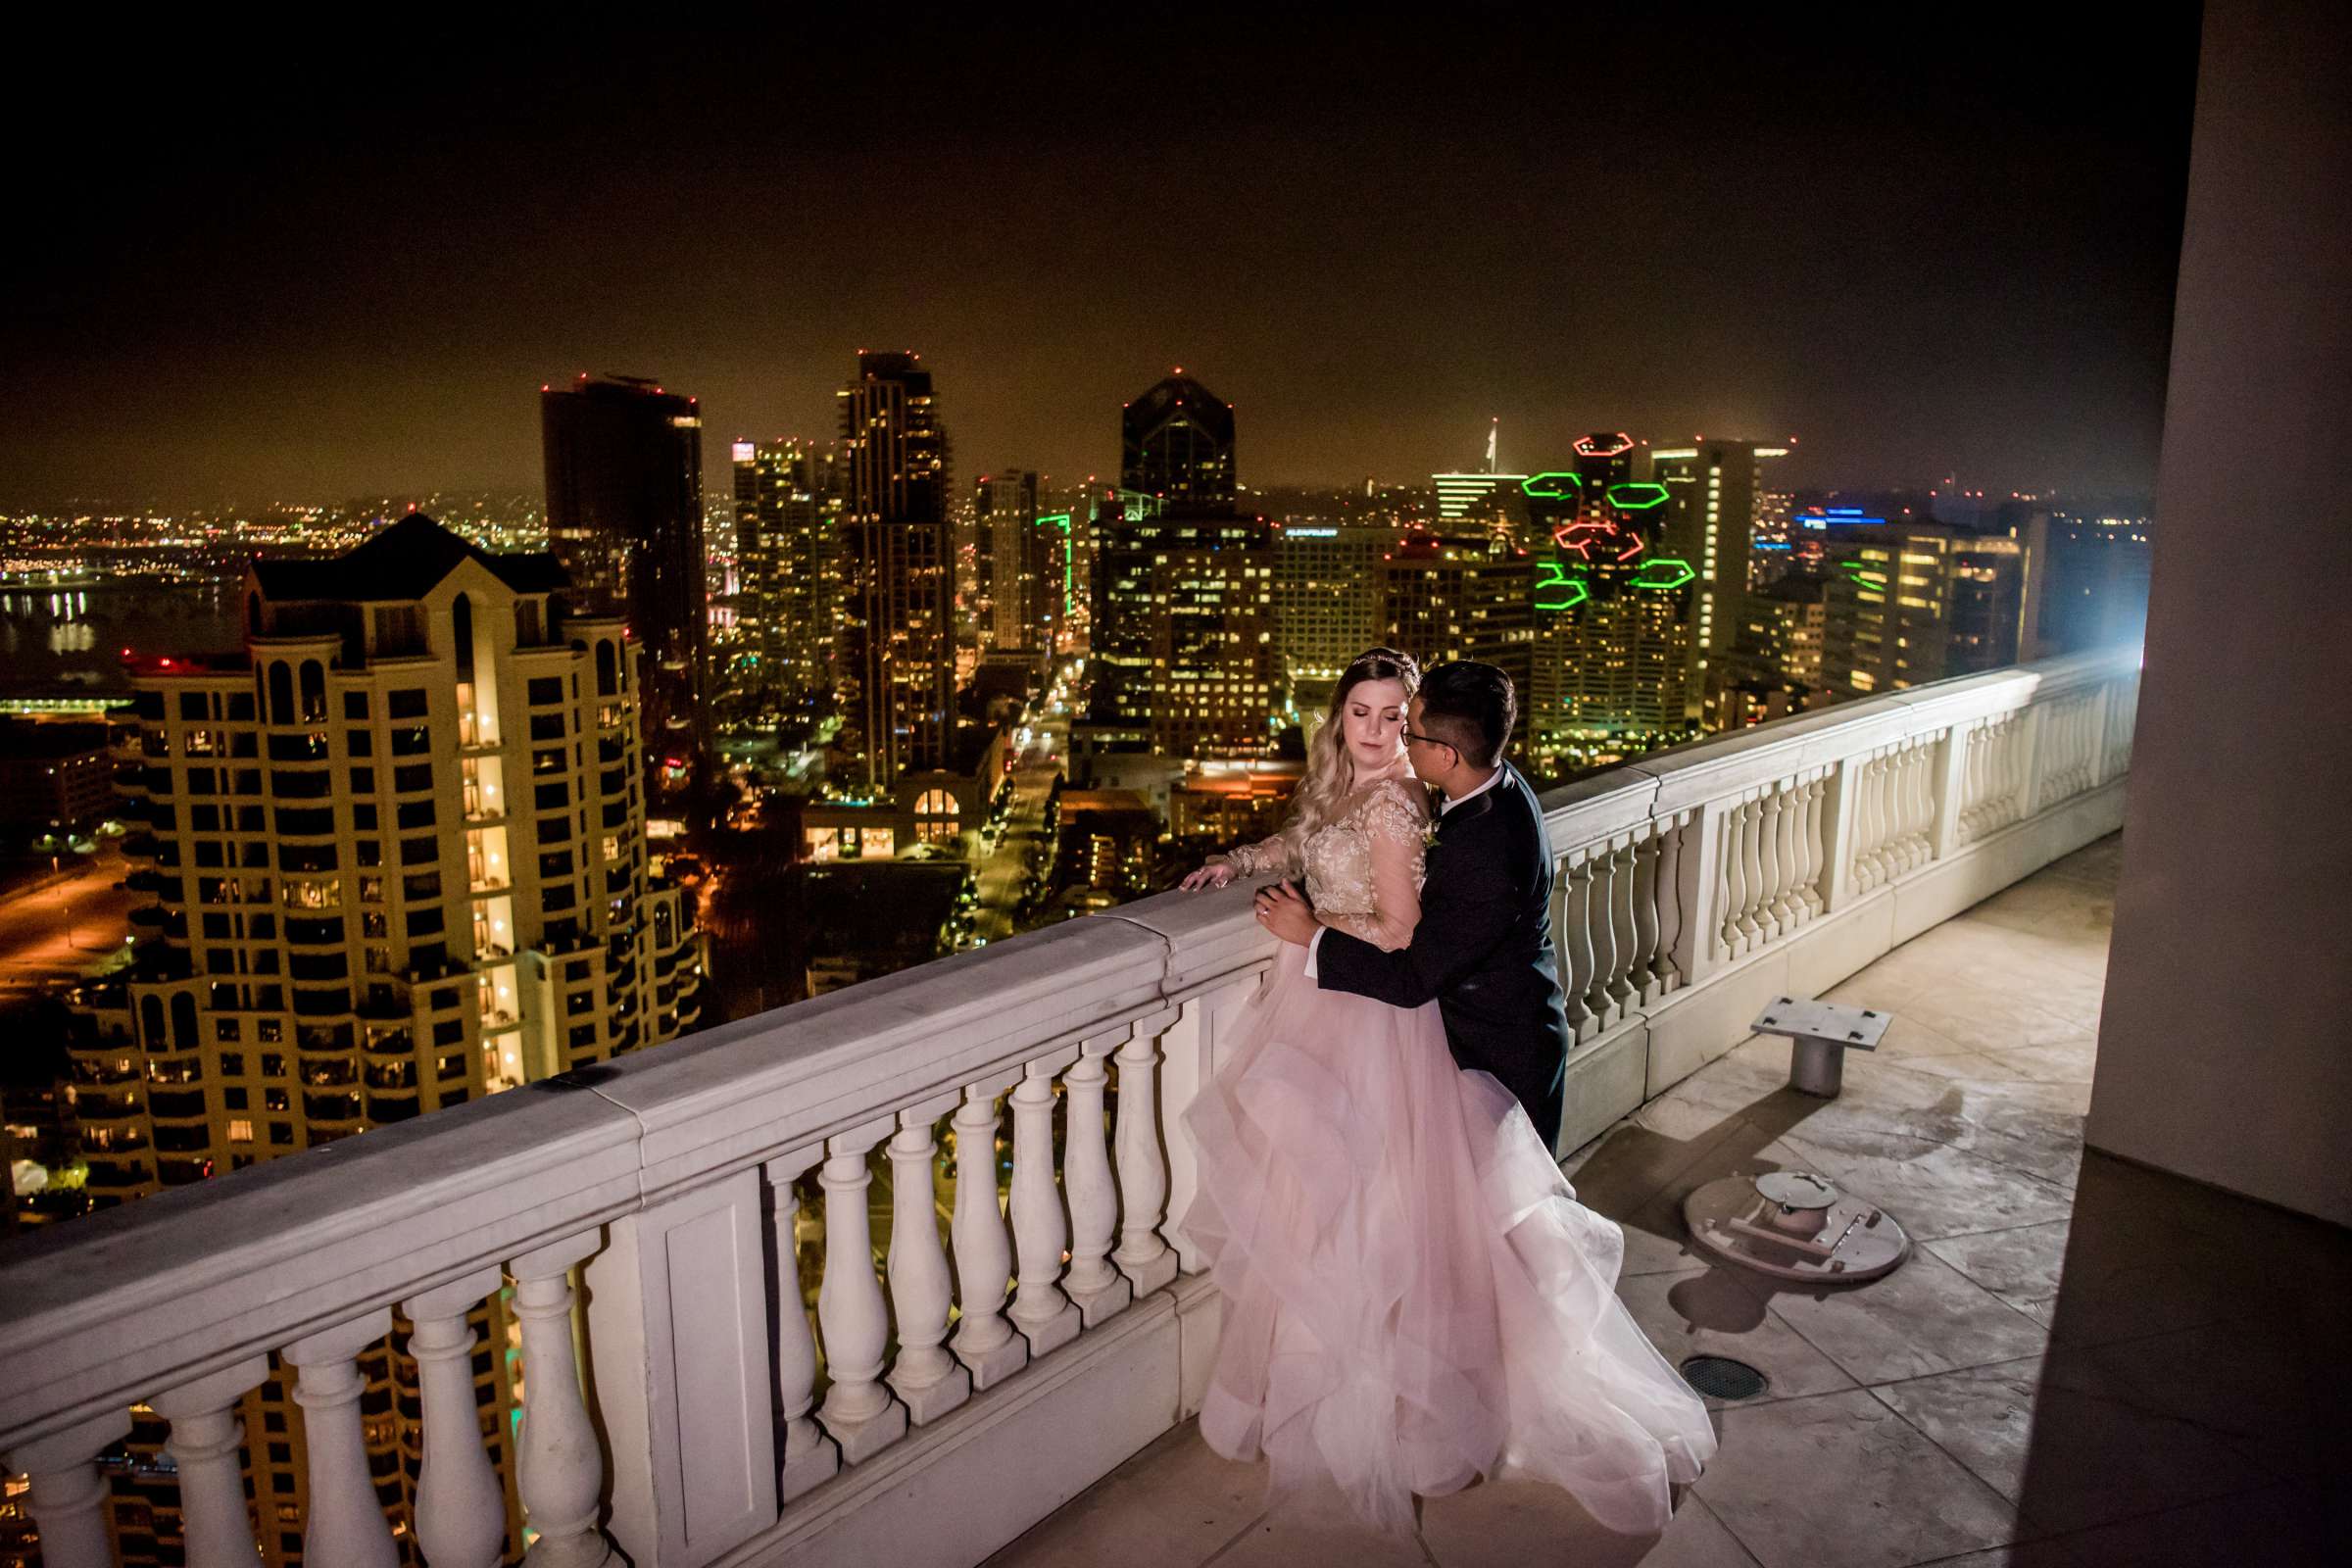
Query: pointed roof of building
{"points": [[406, 561]]}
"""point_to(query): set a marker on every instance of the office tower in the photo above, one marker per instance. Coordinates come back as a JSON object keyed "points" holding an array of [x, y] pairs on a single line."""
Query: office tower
{"points": [[788, 510], [398, 853], [1713, 489], [894, 642], [1182, 633], [2086, 578], [1442, 597], [1019, 587], [1911, 603], [624, 520], [1176, 446], [1324, 609]]}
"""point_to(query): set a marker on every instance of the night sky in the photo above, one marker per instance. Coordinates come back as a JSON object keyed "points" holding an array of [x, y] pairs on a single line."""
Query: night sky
{"points": [[247, 270]]}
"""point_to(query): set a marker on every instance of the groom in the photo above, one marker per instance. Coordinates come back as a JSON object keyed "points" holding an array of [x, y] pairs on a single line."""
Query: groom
{"points": [[1483, 950]]}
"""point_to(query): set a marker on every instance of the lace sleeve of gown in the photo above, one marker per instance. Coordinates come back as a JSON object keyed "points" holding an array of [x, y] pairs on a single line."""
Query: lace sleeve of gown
{"points": [[1277, 855], [1395, 821]]}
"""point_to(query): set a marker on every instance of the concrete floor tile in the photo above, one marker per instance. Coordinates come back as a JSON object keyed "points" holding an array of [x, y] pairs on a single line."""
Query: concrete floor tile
{"points": [[1933, 1188], [2069, 1461], [1173, 1505], [1518, 1524], [2023, 1554], [1711, 1311], [2259, 1393], [2019, 1264], [1298, 1538], [2282, 1528], [1839, 1481], [1924, 1318], [2061, 1061]]}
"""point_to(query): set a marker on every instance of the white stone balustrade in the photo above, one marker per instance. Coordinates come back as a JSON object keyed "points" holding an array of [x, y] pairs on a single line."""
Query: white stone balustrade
{"points": [[1689, 888]]}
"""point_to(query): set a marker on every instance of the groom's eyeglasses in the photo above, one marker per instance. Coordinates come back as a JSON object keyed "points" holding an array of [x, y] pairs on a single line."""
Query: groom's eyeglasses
{"points": [[1411, 739]]}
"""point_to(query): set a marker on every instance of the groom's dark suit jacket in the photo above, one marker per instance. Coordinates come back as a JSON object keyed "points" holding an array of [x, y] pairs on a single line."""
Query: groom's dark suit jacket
{"points": [[1482, 951]]}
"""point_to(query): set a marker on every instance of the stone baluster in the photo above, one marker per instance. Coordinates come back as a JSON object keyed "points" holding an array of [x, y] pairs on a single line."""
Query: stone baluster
{"points": [[206, 1435], [1735, 880], [1772, 905], [1600, 930], [1792, 853], [1624, 972], [927, 1379], [345, 1524], [1813, 836], [1573, 942], [1671, 913], [1875, 818], [1143, 1256], [808, 1455], [559, 1470], [460, 1506], [1040, 1312], [67, 1494], [984, 1341], [1749, 818], [859, 1410], [1650, 958], [1099, 1289]]}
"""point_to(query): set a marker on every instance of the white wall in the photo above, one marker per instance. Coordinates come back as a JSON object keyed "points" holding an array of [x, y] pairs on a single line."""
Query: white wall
{"points": [[2226, 1052]]}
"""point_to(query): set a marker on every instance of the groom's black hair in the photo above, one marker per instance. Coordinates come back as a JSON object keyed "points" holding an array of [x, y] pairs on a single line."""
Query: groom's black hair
{"points": [[1470, 706]]}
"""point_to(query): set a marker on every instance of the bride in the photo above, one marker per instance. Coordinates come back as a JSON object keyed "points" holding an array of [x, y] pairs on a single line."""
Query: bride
{"points": [[1413, 1297]]}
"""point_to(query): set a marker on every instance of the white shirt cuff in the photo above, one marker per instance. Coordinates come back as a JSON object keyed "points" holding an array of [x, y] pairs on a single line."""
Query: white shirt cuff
{"points": [[1314, 944]]}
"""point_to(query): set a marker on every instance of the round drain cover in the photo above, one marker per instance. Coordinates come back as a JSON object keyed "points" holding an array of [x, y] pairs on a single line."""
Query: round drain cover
{"points": [[1719, 1377], [1768, 1224]]}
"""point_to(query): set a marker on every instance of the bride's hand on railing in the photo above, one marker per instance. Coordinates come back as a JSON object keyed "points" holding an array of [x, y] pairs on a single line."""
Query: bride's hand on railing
{"points": [[1215, 873]]}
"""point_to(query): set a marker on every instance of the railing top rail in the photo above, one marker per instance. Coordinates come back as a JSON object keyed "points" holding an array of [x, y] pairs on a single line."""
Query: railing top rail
{"points": [[131, 1301]]}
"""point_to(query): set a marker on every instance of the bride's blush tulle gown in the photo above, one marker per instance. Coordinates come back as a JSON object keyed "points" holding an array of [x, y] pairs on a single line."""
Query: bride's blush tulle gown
{"points": [[1413, 1297]]}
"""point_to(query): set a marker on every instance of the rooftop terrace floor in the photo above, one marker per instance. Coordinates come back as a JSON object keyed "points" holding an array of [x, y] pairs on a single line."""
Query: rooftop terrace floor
{"points": [[2083, 1362]]}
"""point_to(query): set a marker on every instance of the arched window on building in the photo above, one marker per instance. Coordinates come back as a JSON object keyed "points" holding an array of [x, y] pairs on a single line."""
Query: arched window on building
{"points": [[936, 816]]}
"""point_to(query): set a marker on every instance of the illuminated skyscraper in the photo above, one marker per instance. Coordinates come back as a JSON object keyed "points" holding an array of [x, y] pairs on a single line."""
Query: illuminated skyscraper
{"points": [[624, 520], [1713, 490], [1324, 613], [1442, 597], [895, 639], [1614, 610], [1183, 631], [398, 854], [1019, 583], [788, 518]]}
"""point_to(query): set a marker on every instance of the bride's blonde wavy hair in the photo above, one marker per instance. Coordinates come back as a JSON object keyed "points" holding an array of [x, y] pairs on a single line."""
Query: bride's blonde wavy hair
{"points": [[1330, 772]]}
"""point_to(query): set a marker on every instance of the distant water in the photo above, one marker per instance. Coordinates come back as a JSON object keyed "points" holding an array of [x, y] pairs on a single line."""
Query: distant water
{"points": [[62, 639]]}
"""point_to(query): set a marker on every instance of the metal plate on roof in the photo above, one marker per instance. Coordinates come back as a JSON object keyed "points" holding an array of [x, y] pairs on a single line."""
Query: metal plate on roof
{"points": [[1860, 1028]]}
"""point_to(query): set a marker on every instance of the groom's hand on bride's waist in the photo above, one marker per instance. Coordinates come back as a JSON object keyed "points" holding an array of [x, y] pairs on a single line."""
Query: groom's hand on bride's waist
{"points": [[1284, 910]]}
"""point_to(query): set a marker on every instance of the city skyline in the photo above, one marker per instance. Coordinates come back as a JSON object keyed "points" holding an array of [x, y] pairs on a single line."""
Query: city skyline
{"points": [[1963, 272]]}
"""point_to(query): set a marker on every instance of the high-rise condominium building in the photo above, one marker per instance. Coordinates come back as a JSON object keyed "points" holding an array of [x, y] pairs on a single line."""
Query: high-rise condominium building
{"points": [[894, 631], [788, 510], [1441, 599], [398, 854], [1324, 610], [1183, 631], [1913, 602], [1713, 490], [624, 520]]}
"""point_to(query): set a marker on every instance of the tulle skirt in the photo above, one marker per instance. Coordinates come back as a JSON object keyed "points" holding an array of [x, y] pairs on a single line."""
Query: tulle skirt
{"points": [[1412, 1296]]}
